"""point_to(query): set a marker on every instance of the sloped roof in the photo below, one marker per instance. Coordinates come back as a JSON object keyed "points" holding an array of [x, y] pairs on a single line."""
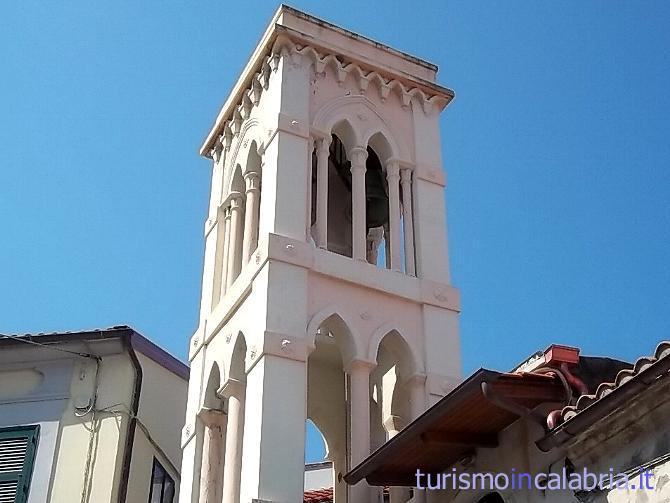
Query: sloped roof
{"points": [[139, 343], [470, 416], [609, 396]]}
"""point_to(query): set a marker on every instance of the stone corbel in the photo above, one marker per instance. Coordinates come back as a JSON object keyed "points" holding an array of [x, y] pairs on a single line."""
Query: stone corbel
{"points": [[227, 135], [256, 89], [247, 104], [265, 75]]}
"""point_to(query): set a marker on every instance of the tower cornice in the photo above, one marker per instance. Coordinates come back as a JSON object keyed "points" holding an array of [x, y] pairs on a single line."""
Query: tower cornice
{"points": [[294, 33]]}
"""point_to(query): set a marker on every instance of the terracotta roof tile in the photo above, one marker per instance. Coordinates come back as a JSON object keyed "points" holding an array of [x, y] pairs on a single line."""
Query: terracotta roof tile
{"points": [[319, 496], [642, 364]]}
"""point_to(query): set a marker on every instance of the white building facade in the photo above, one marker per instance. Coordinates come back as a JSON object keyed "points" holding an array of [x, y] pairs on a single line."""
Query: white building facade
{"points": [[326, 290]]}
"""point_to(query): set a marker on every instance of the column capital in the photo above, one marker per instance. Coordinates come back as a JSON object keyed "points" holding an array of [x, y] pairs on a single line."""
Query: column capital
{"points": [[405, 174], [212, 417], [358, 156], [235, 199], [324, 145], [252, 179], [224, 209], [392, 169], [232, 387], [359, 365]]}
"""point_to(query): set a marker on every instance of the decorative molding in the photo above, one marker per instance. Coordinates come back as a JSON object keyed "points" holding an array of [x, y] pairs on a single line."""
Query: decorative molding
{"points": [[365, 76], [229, 125]]}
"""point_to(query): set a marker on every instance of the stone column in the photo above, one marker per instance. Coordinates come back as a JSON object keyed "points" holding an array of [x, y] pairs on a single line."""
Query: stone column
{"points": [[393, 177], [225, 252], [358, 156], [393, 425], [359, 439], [235, 239], [234, 391], [417, 397], [310, 173], [252, 208], [406, 183], [322, 153], [214, 421]]}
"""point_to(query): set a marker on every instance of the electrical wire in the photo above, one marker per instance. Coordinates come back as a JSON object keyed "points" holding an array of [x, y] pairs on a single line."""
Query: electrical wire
{"points": [[21, 338]]}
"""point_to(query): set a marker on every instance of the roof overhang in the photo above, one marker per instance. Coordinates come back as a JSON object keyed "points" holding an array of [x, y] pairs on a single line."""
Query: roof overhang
{"points": [[469, 417], [123, 333]]}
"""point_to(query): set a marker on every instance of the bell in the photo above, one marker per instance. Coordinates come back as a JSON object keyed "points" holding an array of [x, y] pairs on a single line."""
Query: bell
{"points": [[376, 200]]}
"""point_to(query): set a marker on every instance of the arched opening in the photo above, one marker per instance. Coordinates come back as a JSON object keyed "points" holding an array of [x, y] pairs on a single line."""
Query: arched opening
{"points": [[234, 391], [340, 203], [327, 396], [339, 199], [211, 399], [236, 234], [212, 432], [253, 179], [390, 409], [376, 211]]}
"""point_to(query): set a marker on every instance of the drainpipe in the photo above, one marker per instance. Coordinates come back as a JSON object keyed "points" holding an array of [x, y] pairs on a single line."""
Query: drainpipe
{"points": [[132, 421]]}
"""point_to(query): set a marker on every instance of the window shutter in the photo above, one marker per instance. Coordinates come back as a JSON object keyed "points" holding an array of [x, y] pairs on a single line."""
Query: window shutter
{"points": [[17, 453]]}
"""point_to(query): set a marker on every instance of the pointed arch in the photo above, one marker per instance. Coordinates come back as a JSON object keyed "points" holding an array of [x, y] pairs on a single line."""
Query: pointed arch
{"points": [[252, 163], [215, 377], [378, 142], [236, 181], [345, 131], [399, 342], [366, 121], [237, 358], [334, 317]]}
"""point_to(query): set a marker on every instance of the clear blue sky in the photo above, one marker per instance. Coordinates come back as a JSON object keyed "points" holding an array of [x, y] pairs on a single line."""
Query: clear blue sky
{"points": [[556, 149]]}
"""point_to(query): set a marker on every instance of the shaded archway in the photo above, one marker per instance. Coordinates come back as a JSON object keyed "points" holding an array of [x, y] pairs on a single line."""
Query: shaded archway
{"points": [[237, 217], [234, 391], [253, 186], [390, 410], [213, 431], [327, 395], [339, 197]]}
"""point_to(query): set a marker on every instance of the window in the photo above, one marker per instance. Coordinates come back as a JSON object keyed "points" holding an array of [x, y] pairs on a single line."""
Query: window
{"points": [[162, 485], [17, 454]]}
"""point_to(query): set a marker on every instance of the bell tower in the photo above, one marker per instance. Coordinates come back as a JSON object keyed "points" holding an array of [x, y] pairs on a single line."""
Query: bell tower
{"points": [[326, 293]]}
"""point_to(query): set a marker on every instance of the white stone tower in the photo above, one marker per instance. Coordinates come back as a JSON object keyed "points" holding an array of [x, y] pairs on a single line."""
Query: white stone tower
{"points": [[326, 292]]}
